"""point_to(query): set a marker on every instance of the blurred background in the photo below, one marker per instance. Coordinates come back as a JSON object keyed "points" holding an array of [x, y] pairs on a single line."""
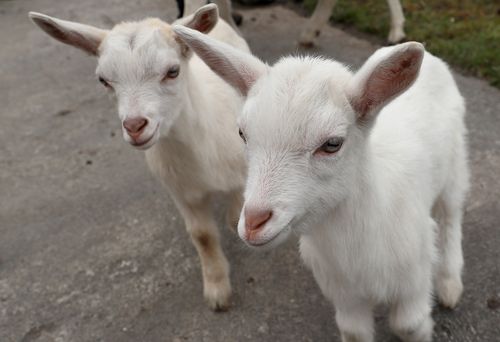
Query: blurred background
{"points": [[93, 249], [465, 33]]}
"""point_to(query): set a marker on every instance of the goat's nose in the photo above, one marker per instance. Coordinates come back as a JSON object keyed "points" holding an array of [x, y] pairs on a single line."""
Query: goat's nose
{"points": [[135, 126], [256, 218]]}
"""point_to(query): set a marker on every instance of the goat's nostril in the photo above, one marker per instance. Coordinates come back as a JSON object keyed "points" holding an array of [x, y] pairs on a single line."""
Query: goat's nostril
{"points": [[255, 219], [135, 125]]}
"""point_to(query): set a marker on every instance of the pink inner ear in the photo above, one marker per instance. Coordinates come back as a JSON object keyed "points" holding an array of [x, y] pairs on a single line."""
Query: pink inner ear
{"points": [[389, 79], [203, 22]]}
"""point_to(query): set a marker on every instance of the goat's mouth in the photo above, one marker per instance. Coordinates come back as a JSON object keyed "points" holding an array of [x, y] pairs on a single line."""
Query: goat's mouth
{"points": [[144, 144], [271, 241]]}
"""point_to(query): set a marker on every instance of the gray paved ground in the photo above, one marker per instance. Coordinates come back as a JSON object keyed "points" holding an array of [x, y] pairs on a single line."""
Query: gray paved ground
{"points": [[91, 248]]}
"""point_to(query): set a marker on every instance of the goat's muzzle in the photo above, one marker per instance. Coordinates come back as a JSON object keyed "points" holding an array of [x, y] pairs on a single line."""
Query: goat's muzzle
{"points": [[135, 126]]}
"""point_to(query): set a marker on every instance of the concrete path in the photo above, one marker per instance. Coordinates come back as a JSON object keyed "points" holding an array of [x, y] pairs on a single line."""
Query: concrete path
{"points": [[92, 249]]}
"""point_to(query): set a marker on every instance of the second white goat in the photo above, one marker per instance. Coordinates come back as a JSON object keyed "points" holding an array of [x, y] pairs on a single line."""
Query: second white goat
{"points": [[174, 107], [369, 167]]}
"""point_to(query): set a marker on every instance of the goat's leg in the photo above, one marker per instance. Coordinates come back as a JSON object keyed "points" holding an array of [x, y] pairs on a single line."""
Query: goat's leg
{"points": [[204, 233], [319, 18], [410, 314], [449, 285], [411, 319], [448, 213], [234, 209], [355, 321], [396, 34]]}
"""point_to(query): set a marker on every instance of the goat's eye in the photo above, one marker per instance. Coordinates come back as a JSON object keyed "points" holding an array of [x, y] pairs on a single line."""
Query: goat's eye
{"points": [[332, 145], [243, 136], [173, 72], [104, 82]]}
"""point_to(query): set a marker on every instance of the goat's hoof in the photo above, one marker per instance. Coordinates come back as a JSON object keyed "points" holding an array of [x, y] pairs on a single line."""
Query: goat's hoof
{"points": [[218, 296], [449, 290]]}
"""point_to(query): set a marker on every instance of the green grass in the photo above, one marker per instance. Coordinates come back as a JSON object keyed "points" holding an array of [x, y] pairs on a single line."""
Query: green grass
{"points": [[465, 33]]}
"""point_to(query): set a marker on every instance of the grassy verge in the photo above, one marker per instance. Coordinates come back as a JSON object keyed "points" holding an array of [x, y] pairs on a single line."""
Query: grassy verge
{"points": [[466, 33]]}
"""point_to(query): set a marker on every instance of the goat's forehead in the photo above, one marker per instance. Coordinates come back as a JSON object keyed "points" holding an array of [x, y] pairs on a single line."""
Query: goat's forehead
{"points": [[138, 47], [135, 36], [299, 98]]}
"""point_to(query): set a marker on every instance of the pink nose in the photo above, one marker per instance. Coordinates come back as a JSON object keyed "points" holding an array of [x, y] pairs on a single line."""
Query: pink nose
{"points": [[135, 126], [255, 219]]}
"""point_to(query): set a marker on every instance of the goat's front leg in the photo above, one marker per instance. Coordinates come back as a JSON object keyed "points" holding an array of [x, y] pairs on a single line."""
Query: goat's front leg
{"points": [[397, 33], [201, 226], [319, 18], [410, 317], [355, 320]]}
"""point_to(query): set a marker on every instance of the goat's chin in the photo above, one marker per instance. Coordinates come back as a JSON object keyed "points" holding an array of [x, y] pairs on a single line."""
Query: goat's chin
{"points": [[146, 145], [271, 242]]}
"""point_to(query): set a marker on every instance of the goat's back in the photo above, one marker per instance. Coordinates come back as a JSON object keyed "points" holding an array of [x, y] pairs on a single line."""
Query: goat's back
{"points": [[420, 134]]}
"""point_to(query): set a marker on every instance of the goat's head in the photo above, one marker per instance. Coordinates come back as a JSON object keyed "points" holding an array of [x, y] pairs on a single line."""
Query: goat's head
{"points": [[142, 63], [305, 122]]}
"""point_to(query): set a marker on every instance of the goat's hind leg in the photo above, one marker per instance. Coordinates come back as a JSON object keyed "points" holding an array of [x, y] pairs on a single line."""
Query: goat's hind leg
{"points": [[203, 230], [448, 214]]}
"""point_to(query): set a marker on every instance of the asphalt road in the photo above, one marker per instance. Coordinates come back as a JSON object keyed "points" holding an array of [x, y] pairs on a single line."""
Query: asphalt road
{"points": [[91, 247]]}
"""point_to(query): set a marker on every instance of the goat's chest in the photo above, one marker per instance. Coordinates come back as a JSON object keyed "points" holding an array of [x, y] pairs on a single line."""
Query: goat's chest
{"points": [[191, 173], [345, 266]]}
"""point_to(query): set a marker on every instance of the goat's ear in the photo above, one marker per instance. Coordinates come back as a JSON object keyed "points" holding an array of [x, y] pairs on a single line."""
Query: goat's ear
{"points": [[203, 20], [84, 37], [238, 68], [385, 75]]}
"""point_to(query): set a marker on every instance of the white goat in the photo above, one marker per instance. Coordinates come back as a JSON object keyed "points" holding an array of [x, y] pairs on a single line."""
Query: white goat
{"points": [[323, 12], [173, 105], [361, 165]]}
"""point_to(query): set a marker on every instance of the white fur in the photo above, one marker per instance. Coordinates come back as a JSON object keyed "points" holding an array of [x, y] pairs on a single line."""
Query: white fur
{"points": [[191, 140], [371, 215], [323, 12]]}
